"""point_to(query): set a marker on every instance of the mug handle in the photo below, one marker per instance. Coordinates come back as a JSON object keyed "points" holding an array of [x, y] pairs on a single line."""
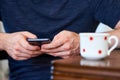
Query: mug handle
{"points": [[114, 45]]}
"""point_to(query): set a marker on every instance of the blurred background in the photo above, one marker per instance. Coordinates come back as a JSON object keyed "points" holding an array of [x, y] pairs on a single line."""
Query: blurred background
{"points": [[4, 69]]}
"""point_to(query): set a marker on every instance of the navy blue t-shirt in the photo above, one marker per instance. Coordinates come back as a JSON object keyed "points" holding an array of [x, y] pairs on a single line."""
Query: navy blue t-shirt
{"points": [[46, 18]]}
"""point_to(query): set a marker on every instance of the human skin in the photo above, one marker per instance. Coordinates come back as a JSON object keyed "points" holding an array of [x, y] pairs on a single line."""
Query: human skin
{"points": [[17, 47], [65, 44]]}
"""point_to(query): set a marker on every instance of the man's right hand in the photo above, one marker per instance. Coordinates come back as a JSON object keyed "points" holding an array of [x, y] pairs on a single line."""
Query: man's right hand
{"points": [[16, 45]]}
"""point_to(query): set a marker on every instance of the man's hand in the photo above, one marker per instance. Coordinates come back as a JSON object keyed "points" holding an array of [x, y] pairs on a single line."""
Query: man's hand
{"points": [[116, 32], [64, 44], [17, 47]]}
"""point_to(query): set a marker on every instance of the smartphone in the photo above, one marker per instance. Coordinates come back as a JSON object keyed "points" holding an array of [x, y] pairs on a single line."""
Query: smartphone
{"points": [[38, 41]]}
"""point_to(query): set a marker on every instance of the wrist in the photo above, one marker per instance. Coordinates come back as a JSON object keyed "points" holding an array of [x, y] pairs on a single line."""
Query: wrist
{"points": [[3, 38]]}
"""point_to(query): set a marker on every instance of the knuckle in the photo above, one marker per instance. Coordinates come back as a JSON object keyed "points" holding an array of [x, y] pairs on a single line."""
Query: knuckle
{"points": [[26, 46], [16, 47], [69, 53], [67, 39], [67, 47], [15, 53], [31, 53], [15, 57], [56, 37], [52, 54], [55, 55]]}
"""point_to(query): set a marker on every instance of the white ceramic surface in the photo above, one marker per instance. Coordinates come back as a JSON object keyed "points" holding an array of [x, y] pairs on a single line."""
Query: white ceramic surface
{"points": [[96, 45]]}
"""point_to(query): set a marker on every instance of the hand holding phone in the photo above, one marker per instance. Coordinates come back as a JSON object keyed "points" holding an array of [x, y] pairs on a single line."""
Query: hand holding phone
{"points": [[38, 41]]}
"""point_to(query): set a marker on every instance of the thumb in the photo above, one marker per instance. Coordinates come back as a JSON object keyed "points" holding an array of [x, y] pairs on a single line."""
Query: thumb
{"points": [[29, 35]]}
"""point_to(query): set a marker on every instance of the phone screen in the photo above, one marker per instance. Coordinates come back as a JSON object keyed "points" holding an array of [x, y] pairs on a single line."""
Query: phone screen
{"points": [[38, 42]]}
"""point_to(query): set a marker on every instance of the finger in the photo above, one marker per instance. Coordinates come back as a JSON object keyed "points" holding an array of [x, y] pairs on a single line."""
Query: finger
{"points": [[20, 58], [17, 55], [29, 52], [33, 53], [54, 44], [64, 57], [71, 52], [23, 55], [26, 55], [60, 54], [28, 34], [65, 47], [26, 45]]}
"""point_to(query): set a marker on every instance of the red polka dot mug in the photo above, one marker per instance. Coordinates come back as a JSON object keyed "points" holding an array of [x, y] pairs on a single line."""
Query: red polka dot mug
{"points": [[96, 45]]}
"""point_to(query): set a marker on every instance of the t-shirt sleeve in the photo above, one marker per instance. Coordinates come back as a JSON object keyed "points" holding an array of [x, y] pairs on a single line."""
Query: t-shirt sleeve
{"points": [[108, 12]]}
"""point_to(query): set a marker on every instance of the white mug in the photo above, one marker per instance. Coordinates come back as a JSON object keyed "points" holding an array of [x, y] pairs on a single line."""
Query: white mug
{"points": [[96, 45]]}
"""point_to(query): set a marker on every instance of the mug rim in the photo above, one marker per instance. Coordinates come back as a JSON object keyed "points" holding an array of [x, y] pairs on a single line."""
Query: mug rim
{"points": [[94, 33]]}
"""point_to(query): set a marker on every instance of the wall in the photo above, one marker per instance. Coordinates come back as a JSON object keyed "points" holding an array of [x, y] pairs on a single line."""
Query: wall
{"points": [[4, 69], [1, 27]]}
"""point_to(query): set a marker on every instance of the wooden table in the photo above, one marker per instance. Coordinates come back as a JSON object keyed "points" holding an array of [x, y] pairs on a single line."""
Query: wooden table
{"points": [[77, 68]]}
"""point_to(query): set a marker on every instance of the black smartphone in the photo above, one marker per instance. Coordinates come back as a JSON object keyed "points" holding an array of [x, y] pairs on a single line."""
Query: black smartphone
{"points": [[38, 41]]}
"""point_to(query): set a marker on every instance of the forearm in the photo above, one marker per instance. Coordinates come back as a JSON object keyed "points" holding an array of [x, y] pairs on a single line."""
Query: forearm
{"points": [[2, 40]]}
